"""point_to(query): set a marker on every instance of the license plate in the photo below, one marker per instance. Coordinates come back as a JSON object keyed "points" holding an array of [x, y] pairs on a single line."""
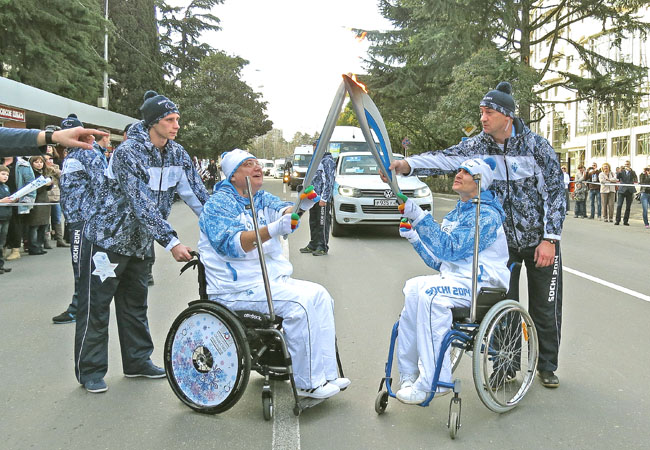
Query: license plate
{"points": [[386, 202]]}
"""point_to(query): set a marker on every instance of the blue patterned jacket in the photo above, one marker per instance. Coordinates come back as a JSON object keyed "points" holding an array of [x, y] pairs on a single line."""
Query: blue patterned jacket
{"points": [[137, 195], [324, 177], [81, 177], [528, 181]]}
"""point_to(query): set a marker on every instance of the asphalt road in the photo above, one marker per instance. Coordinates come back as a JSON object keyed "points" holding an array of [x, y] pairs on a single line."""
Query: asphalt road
{"points": [[603, 401]]}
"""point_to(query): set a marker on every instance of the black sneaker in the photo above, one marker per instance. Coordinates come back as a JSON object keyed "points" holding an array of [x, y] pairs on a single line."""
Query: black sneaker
{"points": [[96, 386], [64, 317], [501, 377], [150, 370], [307, 249], [549, 379], [319, 253]]}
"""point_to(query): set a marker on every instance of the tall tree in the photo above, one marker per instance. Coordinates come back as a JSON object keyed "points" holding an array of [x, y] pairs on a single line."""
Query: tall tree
{"points": [[54, 48], [219, 111], [181, 28], [411, 67], [136, 62]]}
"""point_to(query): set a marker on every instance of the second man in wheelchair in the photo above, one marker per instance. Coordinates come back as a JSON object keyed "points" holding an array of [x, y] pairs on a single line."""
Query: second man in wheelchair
{"points": [[234, 277], [448, 248]]}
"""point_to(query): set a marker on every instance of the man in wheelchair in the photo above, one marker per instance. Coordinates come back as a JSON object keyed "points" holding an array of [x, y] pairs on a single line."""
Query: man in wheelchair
{"points": [[448, 248], [234, 278]]}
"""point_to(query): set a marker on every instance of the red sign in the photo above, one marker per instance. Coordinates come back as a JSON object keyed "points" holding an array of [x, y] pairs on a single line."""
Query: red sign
{"points": [[12, 114]]}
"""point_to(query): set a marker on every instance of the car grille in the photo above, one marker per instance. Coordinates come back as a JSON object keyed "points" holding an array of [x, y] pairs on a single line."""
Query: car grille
{"points": [[379, 193], [371, 209]]}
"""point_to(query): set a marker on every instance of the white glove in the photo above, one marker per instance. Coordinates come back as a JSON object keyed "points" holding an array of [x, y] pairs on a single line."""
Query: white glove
{"points": [[280, 227], [412, 211], [308, 199], [411, 235]]}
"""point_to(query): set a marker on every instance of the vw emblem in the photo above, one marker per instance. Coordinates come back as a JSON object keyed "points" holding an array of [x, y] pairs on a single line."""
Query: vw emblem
{"points": [[388, 193]]}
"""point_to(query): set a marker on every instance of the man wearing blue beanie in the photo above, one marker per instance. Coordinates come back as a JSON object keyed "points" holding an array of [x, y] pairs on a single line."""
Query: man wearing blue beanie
{"points": [[134, 201], [529, 184]]}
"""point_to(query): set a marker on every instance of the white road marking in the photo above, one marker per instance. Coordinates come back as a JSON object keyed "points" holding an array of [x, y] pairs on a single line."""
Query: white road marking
{"points": [[608, 284], [286, 426]]}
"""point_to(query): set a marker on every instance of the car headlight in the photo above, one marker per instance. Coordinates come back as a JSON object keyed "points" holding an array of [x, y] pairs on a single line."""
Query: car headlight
{"points": [[422, 192], [295, 174], [347, 191]]}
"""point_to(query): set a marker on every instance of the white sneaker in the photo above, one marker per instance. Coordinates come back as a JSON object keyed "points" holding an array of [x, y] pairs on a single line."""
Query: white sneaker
{"points": [[325, 391], [407, 380], [341, 383], [411, 396]]}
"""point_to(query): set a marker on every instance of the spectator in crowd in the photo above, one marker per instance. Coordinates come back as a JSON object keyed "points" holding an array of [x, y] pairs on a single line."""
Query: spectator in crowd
{"points": [[20, 142], [607, 181], [567, 181], [20, 174], [143, 176], [81, 177], [320, 216], [594, 190], [644, 179], [54, 196], [626, 176], [214, 175], [581, 174], [39, 216], [5, 215], [579, 194]]}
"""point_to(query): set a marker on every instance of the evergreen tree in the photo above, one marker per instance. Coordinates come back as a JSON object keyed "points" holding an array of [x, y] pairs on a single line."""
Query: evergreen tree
{"points": [[54, 47], [179, 37], [136, 62], [219, 111]]}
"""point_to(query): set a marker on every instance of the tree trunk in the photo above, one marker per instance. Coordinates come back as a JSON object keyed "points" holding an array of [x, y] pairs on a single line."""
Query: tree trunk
{"points": [[524, 54]]}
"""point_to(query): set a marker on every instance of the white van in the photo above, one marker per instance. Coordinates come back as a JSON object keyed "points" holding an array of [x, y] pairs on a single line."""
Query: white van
{"points": [[300, 162], [348, 139]]}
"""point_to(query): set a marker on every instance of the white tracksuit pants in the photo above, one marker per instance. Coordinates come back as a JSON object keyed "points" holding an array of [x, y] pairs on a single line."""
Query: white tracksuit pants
{"points": [[308, 313], [425, 320]]}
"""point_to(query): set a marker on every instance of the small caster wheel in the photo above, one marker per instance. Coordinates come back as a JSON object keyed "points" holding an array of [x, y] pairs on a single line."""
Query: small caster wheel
{"points": [[381, 402], [454, 425], [267, 406], [296, 410]]}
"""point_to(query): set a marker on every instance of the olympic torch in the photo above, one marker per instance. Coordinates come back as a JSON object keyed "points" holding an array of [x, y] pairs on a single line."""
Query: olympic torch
{"points": [[369, 118], [323, 143]]}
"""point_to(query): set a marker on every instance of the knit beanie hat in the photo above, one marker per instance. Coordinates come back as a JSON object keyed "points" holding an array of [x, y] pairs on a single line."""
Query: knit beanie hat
{"points": [[155, 107], [483, 166], [230, 161], [70, 122], [500, 99]]}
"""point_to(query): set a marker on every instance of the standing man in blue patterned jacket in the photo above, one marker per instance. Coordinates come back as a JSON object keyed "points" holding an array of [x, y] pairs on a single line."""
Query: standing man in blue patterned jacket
{"points": [[529, 184], [131, 211], [320, 217], [81, 177]]}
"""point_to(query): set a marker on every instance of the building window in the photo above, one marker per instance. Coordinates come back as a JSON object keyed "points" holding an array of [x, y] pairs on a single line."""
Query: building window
{"points": [[643, 144], [621, 146], [598, 147]]}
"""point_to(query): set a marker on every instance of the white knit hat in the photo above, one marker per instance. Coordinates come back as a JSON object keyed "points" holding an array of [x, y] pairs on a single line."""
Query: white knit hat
{"points": [[230, 161], [483, 166]]}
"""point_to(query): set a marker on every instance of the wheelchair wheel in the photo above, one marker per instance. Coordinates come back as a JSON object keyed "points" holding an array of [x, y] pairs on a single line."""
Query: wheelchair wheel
{"points": [[207, 359], [504, 356], [267, 405], [381, 402]]}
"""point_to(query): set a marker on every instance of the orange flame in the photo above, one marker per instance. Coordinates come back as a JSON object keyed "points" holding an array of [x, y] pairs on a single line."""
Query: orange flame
{"points": [[361, 37], [358, 83]]}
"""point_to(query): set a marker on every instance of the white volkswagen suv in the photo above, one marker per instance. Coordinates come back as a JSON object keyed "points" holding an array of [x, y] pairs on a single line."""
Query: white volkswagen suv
{"points": [[361, 198]]}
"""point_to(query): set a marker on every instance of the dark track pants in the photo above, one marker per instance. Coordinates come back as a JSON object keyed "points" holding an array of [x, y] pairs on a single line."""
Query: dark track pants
{"points": [[544, 301], [320, 219], [129, 289], [76, 231]]}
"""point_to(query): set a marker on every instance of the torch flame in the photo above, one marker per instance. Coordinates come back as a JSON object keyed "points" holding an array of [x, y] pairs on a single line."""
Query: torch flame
{"points": [[361, 37], [358, 83]]}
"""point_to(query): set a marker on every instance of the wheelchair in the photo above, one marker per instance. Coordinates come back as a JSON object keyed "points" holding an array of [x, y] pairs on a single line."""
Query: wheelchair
{"points": [[502, 340], [210, 350]]}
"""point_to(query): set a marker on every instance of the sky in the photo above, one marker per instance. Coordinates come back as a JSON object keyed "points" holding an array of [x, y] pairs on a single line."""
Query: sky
{"points": [[297, 51]]}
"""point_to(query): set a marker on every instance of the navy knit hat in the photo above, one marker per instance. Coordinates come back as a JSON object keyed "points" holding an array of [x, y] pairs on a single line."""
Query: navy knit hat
{"points": [[70, 122], [500, 99], [155, 107]]}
